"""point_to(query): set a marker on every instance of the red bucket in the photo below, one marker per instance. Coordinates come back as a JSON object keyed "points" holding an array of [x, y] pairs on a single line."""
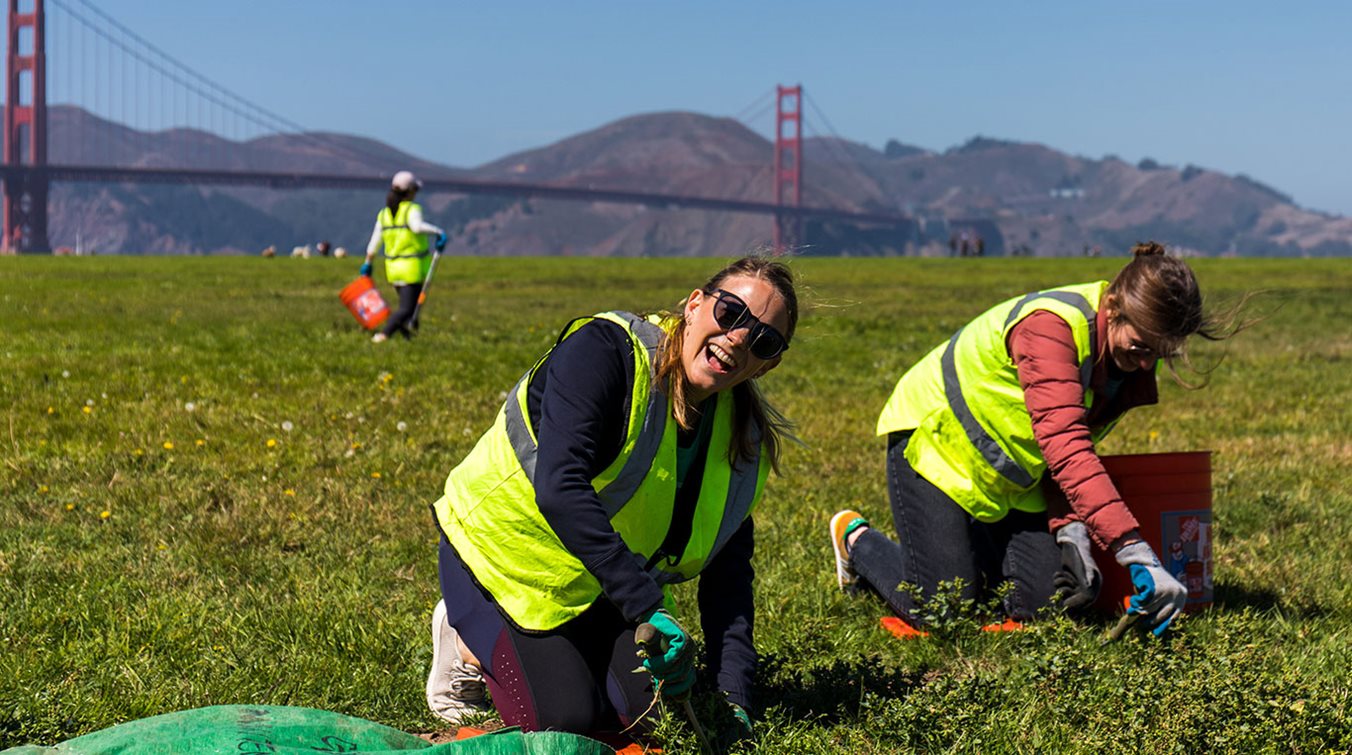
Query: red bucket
{"points": [[365, 303], [1170, 495]]}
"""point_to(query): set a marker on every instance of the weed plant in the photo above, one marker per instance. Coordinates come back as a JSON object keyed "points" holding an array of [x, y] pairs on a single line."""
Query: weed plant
{"points": [[216, 491]]}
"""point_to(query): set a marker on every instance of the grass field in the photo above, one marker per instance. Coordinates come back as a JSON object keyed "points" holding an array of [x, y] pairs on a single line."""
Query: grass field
{"points": [[215, 491]]}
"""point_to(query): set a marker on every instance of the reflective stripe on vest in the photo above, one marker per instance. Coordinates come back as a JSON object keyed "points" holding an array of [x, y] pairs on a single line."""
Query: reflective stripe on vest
{"points": [[988, 447], [621, 489]]}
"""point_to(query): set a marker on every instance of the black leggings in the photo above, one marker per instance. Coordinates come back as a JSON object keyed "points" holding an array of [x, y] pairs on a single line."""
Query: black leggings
{"points": [[402, 318], [940, 541], [578, 678]]}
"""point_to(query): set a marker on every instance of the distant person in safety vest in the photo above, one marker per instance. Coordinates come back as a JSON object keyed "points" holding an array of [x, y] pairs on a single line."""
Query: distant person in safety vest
{"points": [[402, 230], [991, 464], [628, 459]]}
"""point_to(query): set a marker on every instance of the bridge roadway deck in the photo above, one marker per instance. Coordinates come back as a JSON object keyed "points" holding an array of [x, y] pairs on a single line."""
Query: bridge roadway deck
{"points": [[102, 174]]}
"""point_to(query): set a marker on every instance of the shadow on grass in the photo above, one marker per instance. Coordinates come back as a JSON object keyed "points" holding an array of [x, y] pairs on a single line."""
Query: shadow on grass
{"points": [[1235, 597], [837, 689]]}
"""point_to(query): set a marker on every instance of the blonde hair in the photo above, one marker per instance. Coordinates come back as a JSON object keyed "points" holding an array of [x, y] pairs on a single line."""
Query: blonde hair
{"points": [[1158, 295], [752, 409]]}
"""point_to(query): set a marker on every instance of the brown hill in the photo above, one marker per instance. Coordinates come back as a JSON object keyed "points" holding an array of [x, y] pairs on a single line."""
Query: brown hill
{"points": [[1017, 195]]}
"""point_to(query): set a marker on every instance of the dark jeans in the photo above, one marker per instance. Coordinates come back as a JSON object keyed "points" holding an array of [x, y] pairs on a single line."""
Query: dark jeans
{"points": [[578, 678], [402, 318], [940, 541]]}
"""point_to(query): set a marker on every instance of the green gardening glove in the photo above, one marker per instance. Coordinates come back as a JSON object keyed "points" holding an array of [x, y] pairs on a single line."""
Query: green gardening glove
{"points": [[739, 729], [670, 658]]}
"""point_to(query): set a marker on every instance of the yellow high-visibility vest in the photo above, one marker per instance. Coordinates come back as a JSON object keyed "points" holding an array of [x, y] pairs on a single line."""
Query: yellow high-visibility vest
{"points": [[406, 257], [973, 434], [489, 514]]}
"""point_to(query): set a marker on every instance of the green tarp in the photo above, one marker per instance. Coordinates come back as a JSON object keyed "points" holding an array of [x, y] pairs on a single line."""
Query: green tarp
{"points": [[245, 729]]}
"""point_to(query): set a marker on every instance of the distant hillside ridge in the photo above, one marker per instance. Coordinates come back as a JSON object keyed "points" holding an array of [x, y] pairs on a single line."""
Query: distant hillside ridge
{"points": [[1020, 197]]}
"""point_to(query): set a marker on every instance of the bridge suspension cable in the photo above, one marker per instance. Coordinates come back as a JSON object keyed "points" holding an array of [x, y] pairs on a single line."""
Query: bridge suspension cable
{"points": [[125, 96]]}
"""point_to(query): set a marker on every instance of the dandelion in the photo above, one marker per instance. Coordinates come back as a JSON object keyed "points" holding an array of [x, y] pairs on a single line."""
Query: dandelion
{"points": [[51, 410], [190, 407], [355, 445], [1154, 435], [183, 380], [43, 488], [168, 445], [105, 514], [375, 475], [161, 547], [70, 507], [201, 442], [402, 426], [286, 426], [289, 492], [272, 442], [88, 410], [138, 452]]}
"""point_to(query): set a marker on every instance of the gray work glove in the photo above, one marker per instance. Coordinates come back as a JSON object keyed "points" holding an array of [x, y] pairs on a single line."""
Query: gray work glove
{"points": [[1078, 580], [1158, 595]]}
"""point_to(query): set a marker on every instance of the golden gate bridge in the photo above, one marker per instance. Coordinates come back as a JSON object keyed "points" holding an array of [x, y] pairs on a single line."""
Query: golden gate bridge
{"points": [[127, 80]]}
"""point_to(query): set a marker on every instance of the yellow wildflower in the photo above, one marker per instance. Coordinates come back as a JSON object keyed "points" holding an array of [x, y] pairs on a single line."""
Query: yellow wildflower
{"points": [[105, 514], [168, 445], [272, 442], [376, 475]]}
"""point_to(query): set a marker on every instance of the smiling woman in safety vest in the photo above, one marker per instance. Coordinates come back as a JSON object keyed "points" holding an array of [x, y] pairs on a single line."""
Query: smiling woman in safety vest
{"points": [[403, 232], [629, 458], [1000, 421]]}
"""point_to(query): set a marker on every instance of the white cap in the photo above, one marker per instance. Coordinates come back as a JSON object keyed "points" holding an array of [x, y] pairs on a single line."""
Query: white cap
{"points": [[405, 180]]}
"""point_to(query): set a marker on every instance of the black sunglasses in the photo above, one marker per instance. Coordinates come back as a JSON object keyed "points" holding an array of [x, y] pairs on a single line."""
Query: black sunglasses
{"points": [[731, 313]]}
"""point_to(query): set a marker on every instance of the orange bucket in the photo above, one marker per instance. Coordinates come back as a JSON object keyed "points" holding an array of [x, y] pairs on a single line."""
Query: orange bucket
{"points": [[364, 301], [1170, 495]]}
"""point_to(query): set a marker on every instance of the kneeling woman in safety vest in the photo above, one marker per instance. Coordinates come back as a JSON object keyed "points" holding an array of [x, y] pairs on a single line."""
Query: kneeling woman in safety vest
{"points": [[401, 228], [630, 457], [991, 467]]}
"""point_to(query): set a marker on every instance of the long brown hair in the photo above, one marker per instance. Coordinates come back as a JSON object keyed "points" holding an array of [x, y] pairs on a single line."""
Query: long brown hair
{"points": [[752, 409], [1158, 295], [396, 196]]}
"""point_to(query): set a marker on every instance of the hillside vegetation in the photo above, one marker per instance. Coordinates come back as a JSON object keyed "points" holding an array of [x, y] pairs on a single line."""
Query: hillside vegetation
{"points": [[215, 491], [1019, 196]]}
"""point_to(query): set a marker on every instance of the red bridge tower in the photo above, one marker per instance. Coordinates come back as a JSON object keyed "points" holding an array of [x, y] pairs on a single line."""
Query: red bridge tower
{"points": [[788, 166], [25, 228]]}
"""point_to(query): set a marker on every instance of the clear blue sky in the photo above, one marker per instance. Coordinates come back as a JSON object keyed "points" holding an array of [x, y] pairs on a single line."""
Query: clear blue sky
{"points": [[1260, 88]]}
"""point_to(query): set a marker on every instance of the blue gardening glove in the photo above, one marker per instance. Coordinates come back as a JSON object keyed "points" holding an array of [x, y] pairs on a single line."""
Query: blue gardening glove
{"points": [[441, 242], [365, 269], [1158, 596], [672, 659], [1078, 580]]}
